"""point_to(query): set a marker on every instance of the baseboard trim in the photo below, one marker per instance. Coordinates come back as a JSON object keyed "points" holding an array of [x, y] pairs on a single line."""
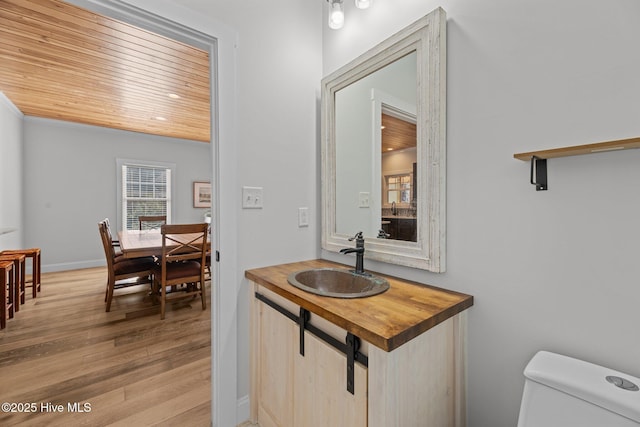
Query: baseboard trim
{"points": [[243, 411], [50, 268]]}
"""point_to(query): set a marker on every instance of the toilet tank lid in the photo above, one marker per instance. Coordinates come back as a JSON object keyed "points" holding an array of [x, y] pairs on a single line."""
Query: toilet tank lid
{"points": [[586, 381]]}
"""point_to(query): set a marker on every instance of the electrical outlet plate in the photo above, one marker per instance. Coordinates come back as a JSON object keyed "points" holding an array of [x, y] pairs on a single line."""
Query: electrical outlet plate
{"points": [[364, 199], [252, 197]]}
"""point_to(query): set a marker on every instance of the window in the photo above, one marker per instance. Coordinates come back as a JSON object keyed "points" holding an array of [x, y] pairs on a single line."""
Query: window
{"points": [[145, 189], [398, 188]]}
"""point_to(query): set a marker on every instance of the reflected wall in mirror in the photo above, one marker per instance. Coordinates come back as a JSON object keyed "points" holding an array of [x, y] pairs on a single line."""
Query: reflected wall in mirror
{"points": [[362, 145], [383, 157]]}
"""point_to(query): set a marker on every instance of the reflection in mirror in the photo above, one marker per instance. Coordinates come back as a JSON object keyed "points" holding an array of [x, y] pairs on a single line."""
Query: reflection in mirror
{"points": [[383, 153], [388, 93], [399, 176]]}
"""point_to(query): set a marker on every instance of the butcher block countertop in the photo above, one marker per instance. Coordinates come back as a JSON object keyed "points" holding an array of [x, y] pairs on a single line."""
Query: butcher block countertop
{"points": [[387, 320]]}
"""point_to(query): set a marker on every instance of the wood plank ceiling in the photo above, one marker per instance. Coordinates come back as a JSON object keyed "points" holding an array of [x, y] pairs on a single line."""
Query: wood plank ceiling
{"points": [[397, 134], [63, 62]]}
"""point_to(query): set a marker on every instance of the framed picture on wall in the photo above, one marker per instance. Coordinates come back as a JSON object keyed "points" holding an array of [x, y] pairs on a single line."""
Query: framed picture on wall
{"points": [[201, 194]]}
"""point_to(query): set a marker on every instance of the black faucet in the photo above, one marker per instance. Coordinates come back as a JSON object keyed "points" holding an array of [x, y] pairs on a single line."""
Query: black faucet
{"points": [[383, 234], [358, 250]]}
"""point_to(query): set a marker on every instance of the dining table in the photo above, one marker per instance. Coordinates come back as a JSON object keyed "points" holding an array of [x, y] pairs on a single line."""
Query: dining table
{"points": [[143, 243]]}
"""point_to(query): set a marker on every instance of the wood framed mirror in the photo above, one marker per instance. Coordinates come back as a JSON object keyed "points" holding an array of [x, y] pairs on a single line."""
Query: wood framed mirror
{"points": [[399, 204]]}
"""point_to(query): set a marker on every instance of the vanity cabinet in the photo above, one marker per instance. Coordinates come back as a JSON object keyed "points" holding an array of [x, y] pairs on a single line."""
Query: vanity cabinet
{"points": [[294, 390], [412, 376], [400, 228]]}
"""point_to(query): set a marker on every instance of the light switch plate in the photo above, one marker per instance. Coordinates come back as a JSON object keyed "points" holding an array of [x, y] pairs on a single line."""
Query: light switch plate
{"points": [[252, 198], [303, 217]]}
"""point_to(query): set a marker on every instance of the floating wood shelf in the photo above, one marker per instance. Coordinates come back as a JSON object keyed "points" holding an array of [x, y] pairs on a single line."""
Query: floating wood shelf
{"points": [[599, 147], [539, 158]]}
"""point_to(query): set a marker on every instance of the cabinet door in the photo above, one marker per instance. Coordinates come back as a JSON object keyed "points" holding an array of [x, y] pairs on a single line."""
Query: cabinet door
{"points": [[276, 339], [320, 388], [406, 230], [391, 228]]}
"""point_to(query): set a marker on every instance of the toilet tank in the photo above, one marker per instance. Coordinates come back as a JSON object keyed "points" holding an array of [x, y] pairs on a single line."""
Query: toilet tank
{"points": [[560, 391]]}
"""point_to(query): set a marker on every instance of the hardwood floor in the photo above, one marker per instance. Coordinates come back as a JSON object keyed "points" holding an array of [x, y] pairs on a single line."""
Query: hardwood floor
{"points": [[122, 368]]}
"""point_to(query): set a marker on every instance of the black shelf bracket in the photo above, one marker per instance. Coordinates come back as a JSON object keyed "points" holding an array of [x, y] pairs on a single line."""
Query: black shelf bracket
{"points": [[539, 179]]}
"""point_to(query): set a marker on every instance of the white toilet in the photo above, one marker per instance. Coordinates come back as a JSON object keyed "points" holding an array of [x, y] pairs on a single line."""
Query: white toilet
{"points": [[560, 391]]}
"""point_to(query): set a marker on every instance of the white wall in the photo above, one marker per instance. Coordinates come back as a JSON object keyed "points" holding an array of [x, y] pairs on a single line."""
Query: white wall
{"points": [[278, 83], [398, 162], [70, 185], [10, 174], [274, 144], [553, 270]]}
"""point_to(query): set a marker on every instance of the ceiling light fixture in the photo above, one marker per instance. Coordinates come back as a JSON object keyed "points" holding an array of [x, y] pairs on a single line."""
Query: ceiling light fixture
{"points": [[173, 96], [336, 11], [336, 14], [363, 4]]}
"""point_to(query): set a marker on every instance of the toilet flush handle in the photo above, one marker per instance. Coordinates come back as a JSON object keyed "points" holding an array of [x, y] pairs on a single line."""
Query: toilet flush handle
{"points": [[622, 383]]}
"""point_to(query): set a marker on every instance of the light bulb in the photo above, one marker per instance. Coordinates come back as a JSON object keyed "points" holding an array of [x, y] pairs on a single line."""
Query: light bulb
{"points": [[336, 15], [363, 4]]}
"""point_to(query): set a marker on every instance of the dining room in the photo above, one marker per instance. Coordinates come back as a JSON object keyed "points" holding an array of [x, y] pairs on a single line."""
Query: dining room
{"points": [[66, 327], [71, 175]]}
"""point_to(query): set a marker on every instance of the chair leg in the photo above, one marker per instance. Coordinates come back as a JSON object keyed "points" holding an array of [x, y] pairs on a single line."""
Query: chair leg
{"points": [[16, 286], [155, 290], [3, 297], [23, 285], [37, 273], [6, 294], [163, 297], [11, 294], [109, 295], [203, 295]]}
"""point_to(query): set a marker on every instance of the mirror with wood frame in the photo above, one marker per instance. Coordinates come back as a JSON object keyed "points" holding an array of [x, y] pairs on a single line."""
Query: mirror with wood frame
{"points": [[384, 148]]}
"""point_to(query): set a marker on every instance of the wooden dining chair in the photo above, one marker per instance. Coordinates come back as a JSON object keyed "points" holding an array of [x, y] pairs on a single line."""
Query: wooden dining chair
{"points": [[115, 243], [6, 292], [19, 278], [34, 254], [122, 272], [150, 222], [183, 263]]}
